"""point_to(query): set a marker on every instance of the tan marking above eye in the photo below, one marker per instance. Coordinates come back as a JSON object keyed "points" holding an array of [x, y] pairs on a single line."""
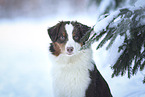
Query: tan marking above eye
{"points": [[64, 34], [74, 33]]}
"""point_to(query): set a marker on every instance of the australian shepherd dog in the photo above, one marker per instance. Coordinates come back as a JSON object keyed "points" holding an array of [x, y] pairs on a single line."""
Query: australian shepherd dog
{"points": [[74, 72]]}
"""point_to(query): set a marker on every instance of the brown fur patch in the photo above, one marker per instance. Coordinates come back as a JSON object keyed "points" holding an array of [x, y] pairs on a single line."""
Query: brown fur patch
{"points": [[59, 48]]}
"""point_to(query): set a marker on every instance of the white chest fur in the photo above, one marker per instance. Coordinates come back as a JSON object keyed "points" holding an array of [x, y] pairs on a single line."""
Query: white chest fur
{"points": [[71, 75]]}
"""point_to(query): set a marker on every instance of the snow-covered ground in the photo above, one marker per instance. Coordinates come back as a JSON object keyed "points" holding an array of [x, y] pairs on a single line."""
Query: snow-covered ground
{"points": [[25, 64]]}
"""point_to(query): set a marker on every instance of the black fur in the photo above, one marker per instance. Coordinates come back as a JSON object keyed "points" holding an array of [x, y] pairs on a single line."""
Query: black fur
{"points": [[98, 86], [51, 48], [82, 28]]}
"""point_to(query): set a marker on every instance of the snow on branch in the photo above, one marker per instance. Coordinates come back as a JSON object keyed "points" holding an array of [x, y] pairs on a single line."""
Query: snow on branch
{"points": [[129, 24]]}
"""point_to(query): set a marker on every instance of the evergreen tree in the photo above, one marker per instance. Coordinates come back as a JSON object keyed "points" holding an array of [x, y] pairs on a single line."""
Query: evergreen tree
{"points": [[127, 23], [111, 5]]}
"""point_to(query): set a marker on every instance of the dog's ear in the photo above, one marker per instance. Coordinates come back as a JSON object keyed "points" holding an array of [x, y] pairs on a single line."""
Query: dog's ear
{"points": [[53, 32], [82, 28]]}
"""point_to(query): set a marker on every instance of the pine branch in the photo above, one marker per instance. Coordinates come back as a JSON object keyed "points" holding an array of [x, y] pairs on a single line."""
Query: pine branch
{"points": [[131, 25]]}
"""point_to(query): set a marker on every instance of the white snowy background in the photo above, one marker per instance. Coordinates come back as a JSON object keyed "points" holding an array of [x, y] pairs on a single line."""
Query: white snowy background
{"points": [[25, 64]]}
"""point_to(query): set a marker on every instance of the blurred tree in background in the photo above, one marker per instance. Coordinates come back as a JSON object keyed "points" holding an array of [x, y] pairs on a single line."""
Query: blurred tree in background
{"points": [[38, 8], [111, 5], [13, 8], [126, 22]]}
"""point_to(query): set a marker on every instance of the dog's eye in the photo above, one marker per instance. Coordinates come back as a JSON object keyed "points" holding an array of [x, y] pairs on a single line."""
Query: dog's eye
{"points": [[62, 38], [76, 37]]}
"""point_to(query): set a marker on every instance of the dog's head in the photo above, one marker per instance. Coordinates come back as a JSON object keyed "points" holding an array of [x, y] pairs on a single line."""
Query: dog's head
{"points": [[66, 37]]}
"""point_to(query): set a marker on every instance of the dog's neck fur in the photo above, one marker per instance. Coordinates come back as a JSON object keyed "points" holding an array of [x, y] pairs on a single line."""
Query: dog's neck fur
{"points": [[84, 57], [71, 74]]}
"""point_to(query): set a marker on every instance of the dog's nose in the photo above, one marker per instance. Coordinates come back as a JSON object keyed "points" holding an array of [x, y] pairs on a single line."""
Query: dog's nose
{"points": [[70, 49]]}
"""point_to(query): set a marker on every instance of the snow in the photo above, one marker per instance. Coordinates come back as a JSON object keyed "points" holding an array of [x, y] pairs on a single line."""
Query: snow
{"points": [[139, 3], [102, 7], [24, 61], [120, 86], [25, 64], [102, 24]]}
